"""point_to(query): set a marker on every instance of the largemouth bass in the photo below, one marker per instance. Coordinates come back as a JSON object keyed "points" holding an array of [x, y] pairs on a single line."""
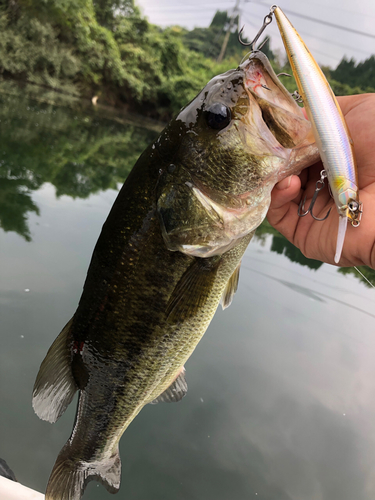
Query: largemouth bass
{"points": [[168, 253]]}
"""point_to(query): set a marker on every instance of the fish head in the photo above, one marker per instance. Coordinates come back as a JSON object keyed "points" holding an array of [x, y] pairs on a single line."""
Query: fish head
{"points": [[228, 147]]}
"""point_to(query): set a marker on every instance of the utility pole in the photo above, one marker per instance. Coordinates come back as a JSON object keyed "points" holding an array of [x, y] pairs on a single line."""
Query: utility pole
{"points": [[227, 34]]}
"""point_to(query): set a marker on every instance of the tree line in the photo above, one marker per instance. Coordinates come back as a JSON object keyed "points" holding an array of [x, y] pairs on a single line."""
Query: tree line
{"points": [[106, 48]]}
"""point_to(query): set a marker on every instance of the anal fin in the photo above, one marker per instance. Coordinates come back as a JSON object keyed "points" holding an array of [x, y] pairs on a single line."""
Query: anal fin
{"points": [[55, 387], [175, 392], [231, 288]]}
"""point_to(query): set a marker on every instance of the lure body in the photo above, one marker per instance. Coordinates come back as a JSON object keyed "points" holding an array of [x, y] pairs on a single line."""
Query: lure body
{"points": [[329, 127]]}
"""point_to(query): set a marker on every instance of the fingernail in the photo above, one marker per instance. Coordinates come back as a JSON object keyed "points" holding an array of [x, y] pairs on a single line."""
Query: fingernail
{"points": [[284, 184]]}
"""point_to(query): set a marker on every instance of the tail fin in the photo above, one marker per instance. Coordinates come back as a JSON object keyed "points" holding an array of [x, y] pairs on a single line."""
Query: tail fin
{"points": [[69, 477]]}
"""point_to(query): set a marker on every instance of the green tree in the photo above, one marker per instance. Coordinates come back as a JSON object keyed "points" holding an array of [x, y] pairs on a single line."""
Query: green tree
{"points": [[208, 41], [368, 280], [352, 74]]}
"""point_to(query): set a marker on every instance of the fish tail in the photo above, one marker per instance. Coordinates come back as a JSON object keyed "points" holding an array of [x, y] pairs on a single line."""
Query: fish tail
{"points": [[70, 476]]}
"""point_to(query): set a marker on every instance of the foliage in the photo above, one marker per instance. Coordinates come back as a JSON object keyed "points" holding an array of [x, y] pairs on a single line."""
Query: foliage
{"points": [[79, 151], [365, 270], [30, 50], [106, 48], [282, 246], [208, 41], [15, 202], [360, 75], [345, 89]]}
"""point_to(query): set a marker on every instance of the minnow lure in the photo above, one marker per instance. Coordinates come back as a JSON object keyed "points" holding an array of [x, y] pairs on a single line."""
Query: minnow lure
{"points": [[329, 127]]}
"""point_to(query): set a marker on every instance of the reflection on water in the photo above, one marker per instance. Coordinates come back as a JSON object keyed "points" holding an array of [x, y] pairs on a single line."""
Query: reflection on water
{"points": [[79, 151], [312, 294], [282, 246], [281, 388]]}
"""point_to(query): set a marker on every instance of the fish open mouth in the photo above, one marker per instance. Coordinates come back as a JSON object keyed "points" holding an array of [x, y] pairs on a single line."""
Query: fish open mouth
{"points": [[281, 114]]}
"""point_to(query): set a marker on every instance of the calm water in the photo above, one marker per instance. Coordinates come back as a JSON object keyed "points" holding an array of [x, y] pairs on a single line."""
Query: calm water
{"points": [[281, 401]]}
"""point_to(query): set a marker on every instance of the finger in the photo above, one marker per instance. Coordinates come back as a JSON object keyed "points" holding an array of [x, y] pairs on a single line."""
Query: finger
{"points": [[282, 213], [359, 113], [285, 191]]}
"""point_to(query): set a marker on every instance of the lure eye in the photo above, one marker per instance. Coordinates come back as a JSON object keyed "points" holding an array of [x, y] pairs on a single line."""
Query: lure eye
{"points": [[218, 116], [353, 206]]}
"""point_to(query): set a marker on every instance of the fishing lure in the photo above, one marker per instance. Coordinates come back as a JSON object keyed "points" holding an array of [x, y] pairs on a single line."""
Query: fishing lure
{"points": [[329, 127]]}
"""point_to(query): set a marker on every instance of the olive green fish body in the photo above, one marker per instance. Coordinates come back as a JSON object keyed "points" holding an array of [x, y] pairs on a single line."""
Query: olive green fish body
{"points": [[168, 253]]}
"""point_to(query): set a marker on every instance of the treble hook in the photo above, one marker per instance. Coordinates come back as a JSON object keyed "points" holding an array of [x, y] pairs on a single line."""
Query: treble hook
{"points": [[297, 97], [266, 21], [318, 187]]}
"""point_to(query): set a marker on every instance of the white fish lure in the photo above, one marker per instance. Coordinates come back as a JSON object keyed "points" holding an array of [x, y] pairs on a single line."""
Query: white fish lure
{"points": [[329, 127]]}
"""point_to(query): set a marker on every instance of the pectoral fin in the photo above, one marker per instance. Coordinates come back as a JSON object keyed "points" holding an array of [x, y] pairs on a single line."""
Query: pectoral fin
{"points": [[192, 290], [175, 392], [55, 387], [231, 288]]}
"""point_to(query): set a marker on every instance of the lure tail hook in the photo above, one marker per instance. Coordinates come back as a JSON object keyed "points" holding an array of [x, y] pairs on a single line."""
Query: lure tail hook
{"points": [[318, 187]]}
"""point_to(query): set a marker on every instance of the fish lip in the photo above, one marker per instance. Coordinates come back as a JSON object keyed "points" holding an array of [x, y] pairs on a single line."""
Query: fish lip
{"points": [[258, 71]]}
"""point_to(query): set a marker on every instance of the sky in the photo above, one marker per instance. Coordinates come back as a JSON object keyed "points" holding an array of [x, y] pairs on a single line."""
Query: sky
{"points": [[328, 44]]}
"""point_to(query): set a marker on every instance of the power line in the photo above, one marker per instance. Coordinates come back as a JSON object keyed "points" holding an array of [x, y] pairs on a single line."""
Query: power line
{"points": [[367, 52], [207, 6], [315, 50], [320, 21], [355, 12]]}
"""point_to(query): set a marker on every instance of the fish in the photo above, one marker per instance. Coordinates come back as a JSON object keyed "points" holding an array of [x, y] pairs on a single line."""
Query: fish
{"points": [[330, 130], [6, 471], [168, 254]]}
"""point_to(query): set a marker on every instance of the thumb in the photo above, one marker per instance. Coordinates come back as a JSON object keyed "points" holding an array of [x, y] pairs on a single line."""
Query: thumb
{"points": [[282, 214]]}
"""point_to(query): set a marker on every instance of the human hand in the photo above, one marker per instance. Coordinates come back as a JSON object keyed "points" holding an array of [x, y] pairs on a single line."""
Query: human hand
{"points": [[317, 240]]}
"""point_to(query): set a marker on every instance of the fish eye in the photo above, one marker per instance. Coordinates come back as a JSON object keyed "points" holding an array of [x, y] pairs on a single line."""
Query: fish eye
{"points": [[218, 116]]}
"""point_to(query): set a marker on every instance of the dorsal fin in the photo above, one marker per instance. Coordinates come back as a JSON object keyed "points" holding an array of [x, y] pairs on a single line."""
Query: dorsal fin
{"points": [[231, 288], [175, 392], [55, 387]]}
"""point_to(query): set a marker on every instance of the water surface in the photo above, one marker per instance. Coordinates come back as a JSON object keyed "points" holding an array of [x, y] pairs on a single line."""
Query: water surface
{"points": [[281, 401]]}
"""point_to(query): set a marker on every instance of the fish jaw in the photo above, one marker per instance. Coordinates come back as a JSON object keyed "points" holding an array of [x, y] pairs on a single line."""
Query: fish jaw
{"points": [[280, 112], [295, 140]]}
